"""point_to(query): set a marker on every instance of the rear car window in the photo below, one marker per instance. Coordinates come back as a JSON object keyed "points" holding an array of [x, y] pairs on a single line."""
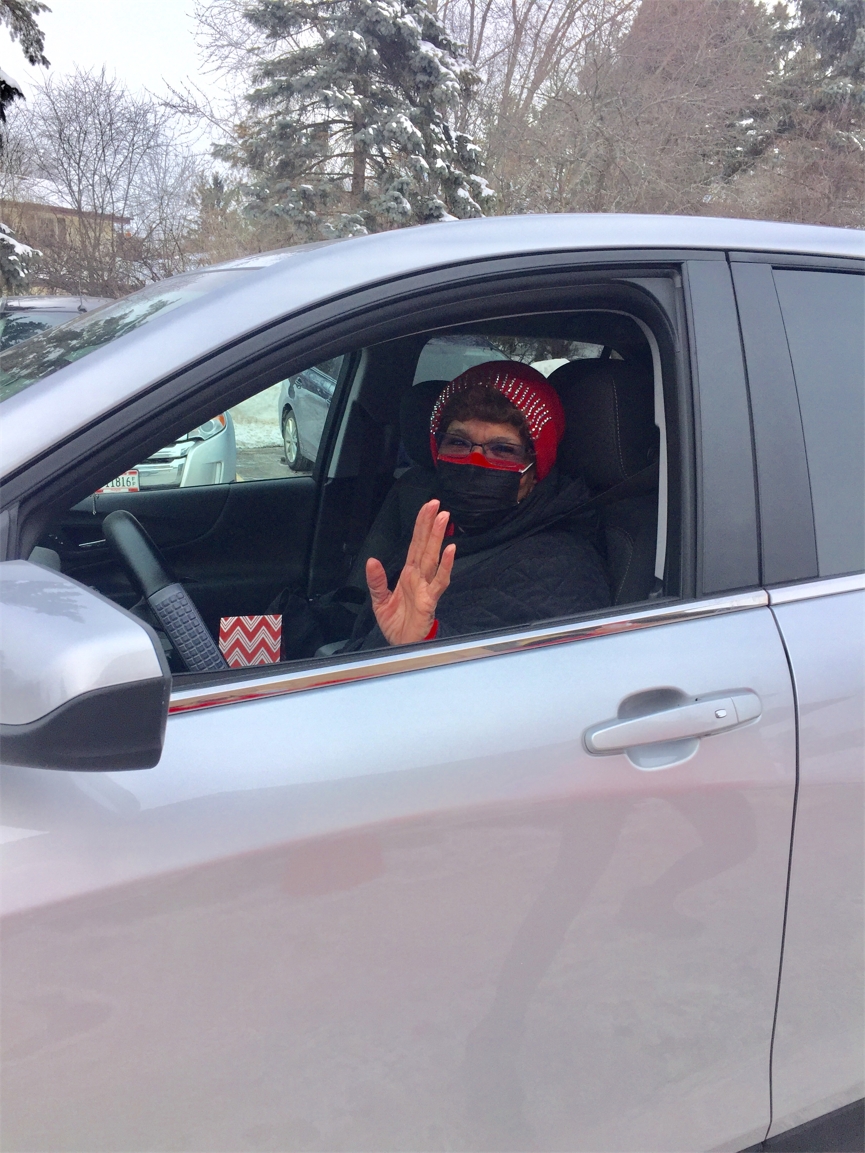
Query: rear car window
{"points": [[444, 357], [824, 315]]}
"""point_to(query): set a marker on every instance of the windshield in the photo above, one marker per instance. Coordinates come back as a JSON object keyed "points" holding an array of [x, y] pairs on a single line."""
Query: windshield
{"points": [[56, 347]]}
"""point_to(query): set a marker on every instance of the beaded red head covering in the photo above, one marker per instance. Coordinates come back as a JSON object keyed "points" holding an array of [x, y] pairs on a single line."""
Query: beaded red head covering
{"points": [[526, 389]]}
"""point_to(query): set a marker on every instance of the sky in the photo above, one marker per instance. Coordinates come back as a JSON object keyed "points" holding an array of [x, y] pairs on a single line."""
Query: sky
{"points": [[146, 43]]}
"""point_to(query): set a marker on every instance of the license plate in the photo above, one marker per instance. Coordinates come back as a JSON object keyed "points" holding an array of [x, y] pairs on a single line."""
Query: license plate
{"points": [[126, 482]]}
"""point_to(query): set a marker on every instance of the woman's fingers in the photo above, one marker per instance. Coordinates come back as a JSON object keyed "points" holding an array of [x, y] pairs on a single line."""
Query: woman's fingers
{"points": [[442, 578], [404, 614], [422, 528], [432, 551], [376, 579]]}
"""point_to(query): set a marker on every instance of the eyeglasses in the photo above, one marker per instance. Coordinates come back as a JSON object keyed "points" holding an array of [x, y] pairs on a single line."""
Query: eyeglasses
{"points": [[497, 451]]}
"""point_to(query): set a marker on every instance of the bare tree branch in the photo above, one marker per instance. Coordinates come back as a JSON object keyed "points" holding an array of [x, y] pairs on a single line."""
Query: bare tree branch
{"points": [[114, 160]]}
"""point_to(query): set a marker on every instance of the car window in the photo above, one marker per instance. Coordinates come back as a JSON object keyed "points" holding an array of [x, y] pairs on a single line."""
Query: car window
{"points": [[444, 357], [279, 431], [14, 329], [824, 315], [276, 433], [206, 455], [299, 552]]}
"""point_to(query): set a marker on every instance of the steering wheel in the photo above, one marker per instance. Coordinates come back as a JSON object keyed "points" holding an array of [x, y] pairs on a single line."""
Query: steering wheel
{"points": [[147, 569]]}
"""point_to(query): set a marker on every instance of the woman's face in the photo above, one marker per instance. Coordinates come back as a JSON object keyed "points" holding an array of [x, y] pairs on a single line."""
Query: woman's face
{"points": [[484, 431]]}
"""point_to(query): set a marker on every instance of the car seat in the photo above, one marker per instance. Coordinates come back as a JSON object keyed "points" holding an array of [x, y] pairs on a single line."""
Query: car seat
{"points": [[610, 438], [411, 489]]}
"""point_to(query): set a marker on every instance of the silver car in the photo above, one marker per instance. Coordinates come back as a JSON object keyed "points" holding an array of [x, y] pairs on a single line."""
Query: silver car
{"points": [[207, 455], [302, 406], [593, 883], [24, 316]]}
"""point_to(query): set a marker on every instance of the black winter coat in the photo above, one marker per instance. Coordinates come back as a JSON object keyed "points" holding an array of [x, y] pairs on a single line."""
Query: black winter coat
{"points": [[538, 564]]}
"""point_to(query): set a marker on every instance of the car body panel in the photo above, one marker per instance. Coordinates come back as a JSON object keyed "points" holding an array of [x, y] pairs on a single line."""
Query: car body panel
{"points": [[818, 1058], [442, 939], [285, 283]]}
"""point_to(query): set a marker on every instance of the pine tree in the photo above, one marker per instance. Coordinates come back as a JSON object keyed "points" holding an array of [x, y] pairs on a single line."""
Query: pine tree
{"points": [[832, 32], [807, 125], [351, 127], [19, 17], [17, 262]]}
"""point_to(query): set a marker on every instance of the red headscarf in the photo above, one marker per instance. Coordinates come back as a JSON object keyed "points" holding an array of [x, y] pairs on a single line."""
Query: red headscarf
{"points": [[526, 389]]}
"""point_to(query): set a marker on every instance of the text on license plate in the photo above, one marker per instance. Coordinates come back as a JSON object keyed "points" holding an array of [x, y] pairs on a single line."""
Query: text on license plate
{"points": [[126, 482]]}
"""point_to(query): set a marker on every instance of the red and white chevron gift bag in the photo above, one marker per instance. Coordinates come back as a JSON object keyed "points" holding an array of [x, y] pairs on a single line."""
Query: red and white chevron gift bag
{"points": [[250, 640]]}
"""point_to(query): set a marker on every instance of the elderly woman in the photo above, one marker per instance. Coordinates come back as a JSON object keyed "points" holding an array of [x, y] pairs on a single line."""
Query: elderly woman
{"points": [[516, 549]]}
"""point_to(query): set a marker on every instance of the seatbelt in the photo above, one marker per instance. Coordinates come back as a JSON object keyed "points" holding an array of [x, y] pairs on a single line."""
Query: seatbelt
{"points": [[365, 485]]}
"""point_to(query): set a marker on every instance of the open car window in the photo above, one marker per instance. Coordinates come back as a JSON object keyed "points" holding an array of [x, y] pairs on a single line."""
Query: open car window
{"points": [[248, 528]]}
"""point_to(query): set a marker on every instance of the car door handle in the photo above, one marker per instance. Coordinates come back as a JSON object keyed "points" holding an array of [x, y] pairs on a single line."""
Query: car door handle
{"points": [[700, 718]]}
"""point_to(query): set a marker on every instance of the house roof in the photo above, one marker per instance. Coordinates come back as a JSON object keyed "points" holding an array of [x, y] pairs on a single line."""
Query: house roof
{"points": [[30, 192]]}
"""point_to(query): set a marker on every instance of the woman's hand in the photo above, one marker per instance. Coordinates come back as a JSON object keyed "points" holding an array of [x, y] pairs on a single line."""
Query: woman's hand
{"points": [[406, 615]]}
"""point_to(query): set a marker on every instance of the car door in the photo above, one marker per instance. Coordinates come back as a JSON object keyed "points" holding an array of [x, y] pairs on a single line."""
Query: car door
{"points": [[499, 893], [804, 332]]}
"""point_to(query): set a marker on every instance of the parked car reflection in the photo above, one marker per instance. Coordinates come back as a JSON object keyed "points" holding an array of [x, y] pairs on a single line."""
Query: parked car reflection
{"points": [[206, 455], [302, 410]]}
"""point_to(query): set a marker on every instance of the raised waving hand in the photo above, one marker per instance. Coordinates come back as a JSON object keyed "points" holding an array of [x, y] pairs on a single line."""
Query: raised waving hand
{"points": [[406, 614]]}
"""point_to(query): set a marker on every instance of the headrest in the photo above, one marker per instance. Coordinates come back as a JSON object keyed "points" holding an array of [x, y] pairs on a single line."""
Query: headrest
{"points": [[609, 406], [415, 411]]}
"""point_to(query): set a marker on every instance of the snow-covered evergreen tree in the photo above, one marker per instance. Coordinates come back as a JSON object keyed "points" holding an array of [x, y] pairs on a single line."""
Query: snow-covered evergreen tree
{"points": [[351, 128], [16, 261], [797, 147], [816, 89], [19, 19]]}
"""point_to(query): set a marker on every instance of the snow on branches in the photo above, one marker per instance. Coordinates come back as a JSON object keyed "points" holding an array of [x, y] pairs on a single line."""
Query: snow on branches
{"points": [[352, 123], [16, 261]]}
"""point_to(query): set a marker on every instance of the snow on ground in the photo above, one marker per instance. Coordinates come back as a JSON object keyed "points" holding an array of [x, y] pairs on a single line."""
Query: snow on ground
{"points": [[256, 423]]}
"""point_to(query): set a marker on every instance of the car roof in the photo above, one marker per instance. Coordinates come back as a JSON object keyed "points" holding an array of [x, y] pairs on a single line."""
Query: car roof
{"points": [[274, 285], [556, 231]]}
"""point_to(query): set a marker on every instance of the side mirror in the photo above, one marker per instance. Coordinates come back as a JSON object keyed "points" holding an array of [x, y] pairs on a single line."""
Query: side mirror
{"points": [[83, 683]]}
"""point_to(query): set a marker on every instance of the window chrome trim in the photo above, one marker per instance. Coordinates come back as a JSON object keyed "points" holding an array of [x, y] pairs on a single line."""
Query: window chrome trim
{"points": [[433, 655], [809, 590]]}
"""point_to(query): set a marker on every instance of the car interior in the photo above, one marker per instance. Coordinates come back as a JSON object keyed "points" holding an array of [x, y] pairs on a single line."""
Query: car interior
{"points": [[239, 546]]}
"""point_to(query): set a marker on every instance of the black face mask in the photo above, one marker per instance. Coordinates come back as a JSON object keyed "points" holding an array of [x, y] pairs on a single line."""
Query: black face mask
{"points": [[477, 498]]}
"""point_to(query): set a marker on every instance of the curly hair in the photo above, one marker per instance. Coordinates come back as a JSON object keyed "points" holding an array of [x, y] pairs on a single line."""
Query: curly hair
{"points": [[480, 402]]}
